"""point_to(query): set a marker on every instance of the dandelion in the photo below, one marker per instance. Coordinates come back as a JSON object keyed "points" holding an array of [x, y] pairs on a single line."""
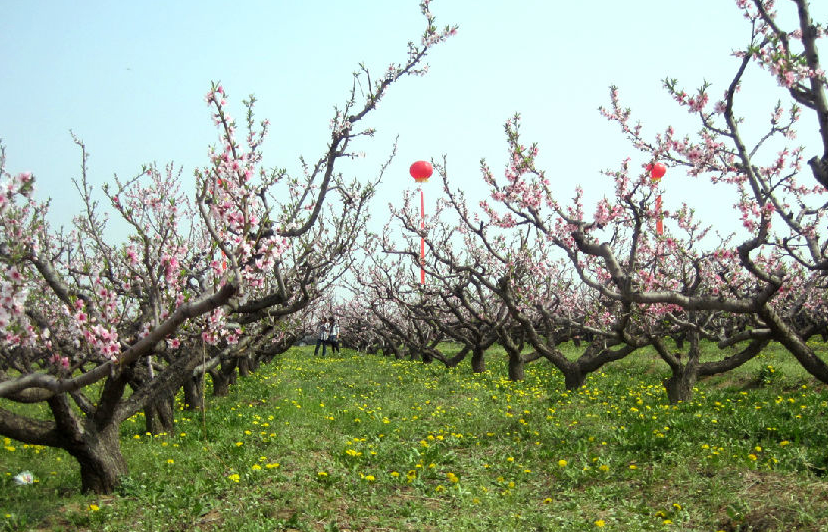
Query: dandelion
{"points": [[234, 477], [272, 465], [170, 461], [94, 507], [321, 474], [547, 500], [256, 467], [562, 463], [604, 467], [752, 456], [600, 523]]}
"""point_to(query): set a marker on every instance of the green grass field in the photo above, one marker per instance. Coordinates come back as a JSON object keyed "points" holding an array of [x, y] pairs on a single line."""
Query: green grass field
{"points": [[361, 442]]}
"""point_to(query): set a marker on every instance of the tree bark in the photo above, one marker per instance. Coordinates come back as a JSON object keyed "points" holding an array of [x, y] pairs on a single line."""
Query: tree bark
{"points": [[478, 361], [244, 367], [100, 459], [680, 384], [193, 392], [160, 415], [516, 367], [574, 378]]}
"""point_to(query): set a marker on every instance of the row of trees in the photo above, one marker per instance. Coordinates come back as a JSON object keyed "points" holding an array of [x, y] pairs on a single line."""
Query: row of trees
{"points": [[207, 283], [97, 331], [530, 269]]}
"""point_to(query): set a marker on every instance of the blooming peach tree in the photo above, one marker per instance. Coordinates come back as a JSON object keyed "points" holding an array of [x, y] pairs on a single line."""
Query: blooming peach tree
{"points": [[78, 310]]}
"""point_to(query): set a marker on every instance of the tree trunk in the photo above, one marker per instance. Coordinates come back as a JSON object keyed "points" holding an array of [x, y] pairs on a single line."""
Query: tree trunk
{"points": [[478, 362], [194, 392], [244, 367], [160, 415], [100, 459], [574, 378], [224, 377], [516, 367], [680, 384]]}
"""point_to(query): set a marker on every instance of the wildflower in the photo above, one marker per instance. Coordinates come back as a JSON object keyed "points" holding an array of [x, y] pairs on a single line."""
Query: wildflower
{"points": [[370, 478], [234, 477], [604, 467], [600, 523], [321, 474], [170, 461], [272, 465], [256, 467], [94, 507], [752, 456], [562, 463]]}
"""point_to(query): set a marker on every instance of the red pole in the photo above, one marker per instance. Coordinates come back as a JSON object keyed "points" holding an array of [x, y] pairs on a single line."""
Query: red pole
{"points": [[422, 240], [659, 223]]}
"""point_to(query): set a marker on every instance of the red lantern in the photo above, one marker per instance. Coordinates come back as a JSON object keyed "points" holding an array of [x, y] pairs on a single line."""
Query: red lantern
{"points": [[421, 171], [657, 171]]}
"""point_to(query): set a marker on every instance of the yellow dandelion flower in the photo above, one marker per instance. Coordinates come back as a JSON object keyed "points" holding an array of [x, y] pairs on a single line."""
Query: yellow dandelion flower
{"points": [[234, 477], [94, 507], [562, 463]]}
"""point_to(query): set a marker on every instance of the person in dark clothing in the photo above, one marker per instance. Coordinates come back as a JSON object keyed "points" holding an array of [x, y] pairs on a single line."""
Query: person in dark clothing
{"points": [[322, 339]]}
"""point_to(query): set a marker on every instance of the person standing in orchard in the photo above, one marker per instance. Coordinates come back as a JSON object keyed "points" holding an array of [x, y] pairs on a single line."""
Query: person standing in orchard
{"points": [[322, 339], [333, 336]]}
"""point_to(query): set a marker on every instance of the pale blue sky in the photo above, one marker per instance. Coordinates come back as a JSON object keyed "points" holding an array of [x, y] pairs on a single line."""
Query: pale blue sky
{"points": [[129, 79]]}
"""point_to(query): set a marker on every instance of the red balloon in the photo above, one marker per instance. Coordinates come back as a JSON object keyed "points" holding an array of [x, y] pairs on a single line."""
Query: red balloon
{"points": [[421, 171], [657, 171]]}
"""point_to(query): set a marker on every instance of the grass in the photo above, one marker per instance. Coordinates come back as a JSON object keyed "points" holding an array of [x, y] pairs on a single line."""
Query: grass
{"points": [[360, 442]]}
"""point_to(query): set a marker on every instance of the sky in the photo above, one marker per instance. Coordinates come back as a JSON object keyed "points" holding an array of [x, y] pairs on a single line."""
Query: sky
{"points": [[129, 79]]}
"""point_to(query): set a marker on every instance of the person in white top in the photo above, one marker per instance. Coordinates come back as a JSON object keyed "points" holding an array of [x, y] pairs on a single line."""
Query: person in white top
{"points": [[333, 336], [322, 339]]}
